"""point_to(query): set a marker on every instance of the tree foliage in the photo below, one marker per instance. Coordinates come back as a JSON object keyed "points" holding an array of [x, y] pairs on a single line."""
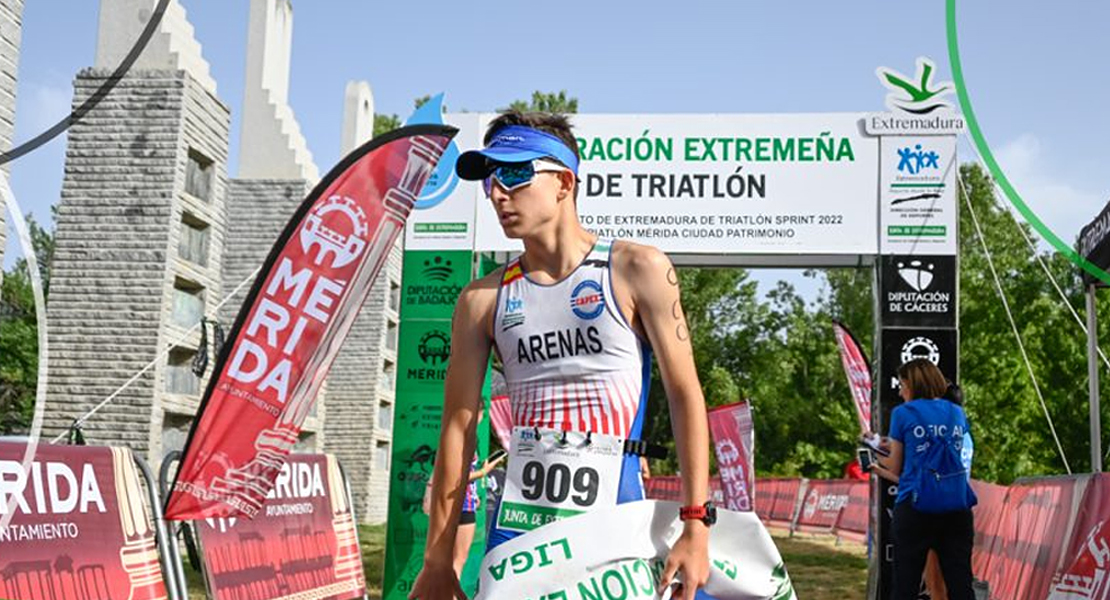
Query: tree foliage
{"points": [[779, 352], [552, 102], [19, 334]]}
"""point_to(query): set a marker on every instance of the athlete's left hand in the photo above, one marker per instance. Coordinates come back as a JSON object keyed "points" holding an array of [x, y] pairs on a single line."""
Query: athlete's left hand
{"points": [[689, 556]]}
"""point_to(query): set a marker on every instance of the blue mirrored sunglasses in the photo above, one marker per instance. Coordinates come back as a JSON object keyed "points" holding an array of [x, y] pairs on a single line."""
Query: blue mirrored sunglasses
{"points": [[513, 176]]}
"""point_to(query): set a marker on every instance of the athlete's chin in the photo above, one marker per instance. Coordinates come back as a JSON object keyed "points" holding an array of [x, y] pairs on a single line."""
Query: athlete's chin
{"points": [[513, 231]]}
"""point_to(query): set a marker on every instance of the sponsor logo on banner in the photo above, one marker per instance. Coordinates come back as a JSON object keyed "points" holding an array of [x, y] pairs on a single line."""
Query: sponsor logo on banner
{"points": [[919, 290], [342, 238], [77, 523], [437, 269], [918, 95], [920, 347], [918, 195], [434, 348], [443, 180], [437, 284], [414, 475], [937, 345], [734, 443], [302, 543], [918, 104], [1087, 577], [587, 300]]}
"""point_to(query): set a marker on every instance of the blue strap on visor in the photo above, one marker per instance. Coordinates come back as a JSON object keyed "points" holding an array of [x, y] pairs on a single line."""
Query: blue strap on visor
{"points": [[511, 144]]}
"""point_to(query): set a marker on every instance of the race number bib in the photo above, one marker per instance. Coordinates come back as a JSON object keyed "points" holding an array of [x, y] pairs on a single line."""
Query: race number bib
{"points": [[556, 475]]}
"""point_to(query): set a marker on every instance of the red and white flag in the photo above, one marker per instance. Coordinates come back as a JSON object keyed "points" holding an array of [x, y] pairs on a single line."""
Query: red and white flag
{"points": [[291, 326], [858, 371], [734, 442]]}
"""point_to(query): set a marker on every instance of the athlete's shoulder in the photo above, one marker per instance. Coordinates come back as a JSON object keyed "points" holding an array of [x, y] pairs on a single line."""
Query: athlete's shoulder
{"points": [[638, 263], [478, 298]]}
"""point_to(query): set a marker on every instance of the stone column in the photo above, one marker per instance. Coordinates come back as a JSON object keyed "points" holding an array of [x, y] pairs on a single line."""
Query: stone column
{"points": [[276, 171], [11, 26], [139, 237]]}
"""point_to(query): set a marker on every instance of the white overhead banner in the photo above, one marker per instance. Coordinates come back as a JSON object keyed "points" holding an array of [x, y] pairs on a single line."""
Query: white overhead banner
{"points": [[695, 184]]}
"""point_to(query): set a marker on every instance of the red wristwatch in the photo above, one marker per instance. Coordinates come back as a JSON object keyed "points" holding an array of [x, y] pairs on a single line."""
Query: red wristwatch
{"points": [[706, 513]]}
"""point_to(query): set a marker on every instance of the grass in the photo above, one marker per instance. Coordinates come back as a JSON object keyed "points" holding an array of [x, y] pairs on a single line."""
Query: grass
{"points": [[819, 568], [822, 570]]}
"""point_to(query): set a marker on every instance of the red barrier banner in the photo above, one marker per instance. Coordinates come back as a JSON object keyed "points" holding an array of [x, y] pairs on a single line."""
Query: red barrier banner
{"points": [[778, 500], [1028, 544], [858, 371], [1087, 569], [669, 487], [853, 521], [824, 502], [304, 301], [302, 544], [988, 514], [77, 526], [734, 442]]}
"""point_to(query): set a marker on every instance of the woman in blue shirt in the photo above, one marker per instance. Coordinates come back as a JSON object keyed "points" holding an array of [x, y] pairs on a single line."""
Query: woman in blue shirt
{"points": [[950, 534]]}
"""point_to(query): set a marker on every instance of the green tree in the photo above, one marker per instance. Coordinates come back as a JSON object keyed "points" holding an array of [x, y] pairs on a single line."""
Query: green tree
{"points": [[1012, 437], [19, 334], [385, 123], [552, 102]]}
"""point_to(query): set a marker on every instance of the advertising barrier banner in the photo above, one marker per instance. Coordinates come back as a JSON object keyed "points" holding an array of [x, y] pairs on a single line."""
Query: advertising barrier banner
{"points": [[1086, 569], [1028, 546], [988, 514], [825, 500], [734, 443], [780, 498], [303, 302], [77, 526], [302, 544]]}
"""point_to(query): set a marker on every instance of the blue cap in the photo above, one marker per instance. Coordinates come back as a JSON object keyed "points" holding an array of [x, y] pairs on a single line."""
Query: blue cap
{"points": [[512, 144]]}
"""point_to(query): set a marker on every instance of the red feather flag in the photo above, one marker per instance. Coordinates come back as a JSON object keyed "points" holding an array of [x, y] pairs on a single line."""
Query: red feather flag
{"points": [[302, 305]]}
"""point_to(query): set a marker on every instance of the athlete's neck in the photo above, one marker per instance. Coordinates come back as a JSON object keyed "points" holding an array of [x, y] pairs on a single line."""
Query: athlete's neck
{"points": [[551, 256]]}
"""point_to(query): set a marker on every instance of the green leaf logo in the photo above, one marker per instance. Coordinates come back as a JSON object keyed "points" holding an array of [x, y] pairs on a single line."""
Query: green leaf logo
{"points": [[919, 95]]}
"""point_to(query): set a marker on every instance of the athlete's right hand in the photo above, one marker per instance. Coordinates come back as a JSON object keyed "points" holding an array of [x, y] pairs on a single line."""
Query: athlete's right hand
{"points": [[437, 582]]}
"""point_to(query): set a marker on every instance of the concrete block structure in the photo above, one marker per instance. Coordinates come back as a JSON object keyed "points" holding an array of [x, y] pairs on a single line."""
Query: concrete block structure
{"points": [[152, 235], [139, 238], [11, 28]]}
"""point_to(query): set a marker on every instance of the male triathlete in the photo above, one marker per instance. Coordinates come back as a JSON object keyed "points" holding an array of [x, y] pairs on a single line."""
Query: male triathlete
{"points": [[574, 320]]}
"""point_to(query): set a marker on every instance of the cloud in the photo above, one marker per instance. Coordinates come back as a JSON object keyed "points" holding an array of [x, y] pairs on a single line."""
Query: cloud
{"points": [[1063, 206]]}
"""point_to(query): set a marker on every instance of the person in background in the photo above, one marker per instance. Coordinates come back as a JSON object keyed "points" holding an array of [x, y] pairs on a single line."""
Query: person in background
{"points": [[468, 517], [854, 471], [950, 534]]}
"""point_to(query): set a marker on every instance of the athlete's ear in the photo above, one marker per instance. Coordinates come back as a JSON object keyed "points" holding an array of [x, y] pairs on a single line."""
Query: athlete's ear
{"points": [[567, 181]]}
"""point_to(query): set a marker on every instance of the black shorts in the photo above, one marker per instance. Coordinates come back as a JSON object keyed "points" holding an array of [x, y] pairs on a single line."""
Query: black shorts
{"points": [[467, 518]]}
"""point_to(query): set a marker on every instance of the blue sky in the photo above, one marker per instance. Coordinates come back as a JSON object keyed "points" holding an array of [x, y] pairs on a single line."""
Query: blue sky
{"points": [[1033, 70]]}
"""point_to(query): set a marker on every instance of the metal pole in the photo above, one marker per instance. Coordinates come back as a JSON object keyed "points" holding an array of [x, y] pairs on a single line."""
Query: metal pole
{"points": [[1092, 375]]}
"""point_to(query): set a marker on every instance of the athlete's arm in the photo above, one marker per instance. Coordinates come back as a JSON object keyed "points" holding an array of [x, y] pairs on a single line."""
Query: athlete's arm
{"points": [[653, 288], [466, 371]]}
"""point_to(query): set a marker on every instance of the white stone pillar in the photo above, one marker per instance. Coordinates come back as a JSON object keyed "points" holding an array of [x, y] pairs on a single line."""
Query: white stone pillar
{"points": [[271, 145], [358, 116]]}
